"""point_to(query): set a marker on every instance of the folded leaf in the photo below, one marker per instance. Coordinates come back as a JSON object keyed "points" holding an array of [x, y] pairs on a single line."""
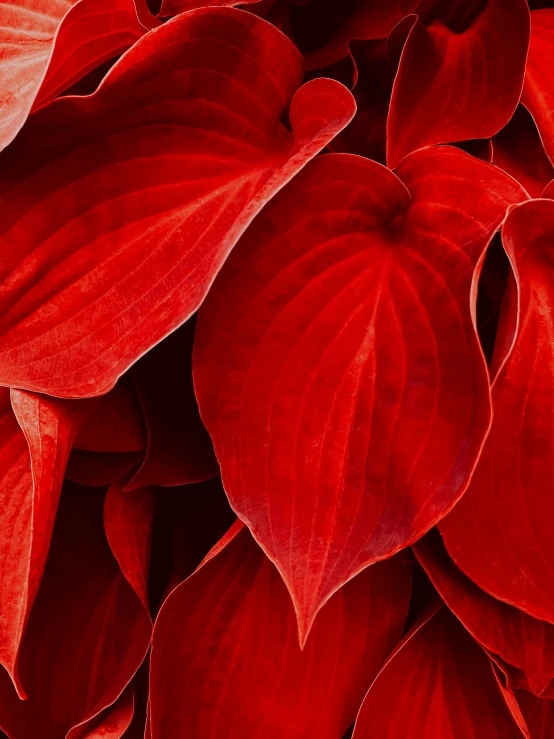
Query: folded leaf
{"points": [[458, 82], [162, 185], [226, 660], [500, 533], [180, 450], [35, 442], [345, 390], [438, 683], [524, 644], [88, 631], [47, 45], [538, 94]]}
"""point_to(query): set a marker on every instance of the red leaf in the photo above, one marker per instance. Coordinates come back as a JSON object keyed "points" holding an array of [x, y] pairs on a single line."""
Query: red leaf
{"points": [[88, 631], [46, 46], [524, 644], [438, 683], [111, 723], [226, 660], [518, 150], [115, 422], [345, 389], [538, 91], [34, 454], [128, 522], [500, 533], [458, 83], [180, 450], [162, 186]]}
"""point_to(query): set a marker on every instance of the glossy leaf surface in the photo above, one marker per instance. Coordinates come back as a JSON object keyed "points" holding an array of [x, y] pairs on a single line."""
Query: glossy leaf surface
{"points": [[469, 77], [500, 533], [345, 390], [161, 187], [438, 683], [226, 660]]}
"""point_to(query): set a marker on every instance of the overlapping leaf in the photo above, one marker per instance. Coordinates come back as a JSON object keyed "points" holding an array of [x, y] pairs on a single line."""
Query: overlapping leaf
{"points": [[500, 533], [460, 77], [117, 210], [523, 646], [226, 659], [34, 447], [88, 631], [47, 45], [345, 390], [438, 683]]}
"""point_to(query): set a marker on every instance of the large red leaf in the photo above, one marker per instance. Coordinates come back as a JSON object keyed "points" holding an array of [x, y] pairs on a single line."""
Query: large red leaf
{"points": [[456, 82], [345, 389], [48, 44], [524, 644], [500, 533], [438, 683], [226, 660], [538, 91], [87, 634], [34, 453], [118, 209], [180, 450]]}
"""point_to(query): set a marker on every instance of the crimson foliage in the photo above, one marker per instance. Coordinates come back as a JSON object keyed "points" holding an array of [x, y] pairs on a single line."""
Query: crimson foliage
{"points": [[276, 369]]}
